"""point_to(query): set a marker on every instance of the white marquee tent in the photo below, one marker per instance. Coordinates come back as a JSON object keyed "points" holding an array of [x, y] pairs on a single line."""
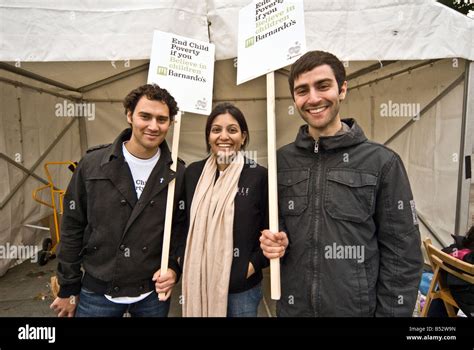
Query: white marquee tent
{"points": [[398, 53]]}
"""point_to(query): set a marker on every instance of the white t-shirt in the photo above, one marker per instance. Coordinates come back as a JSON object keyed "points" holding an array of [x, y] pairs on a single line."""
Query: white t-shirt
{"points": [[141, 170]]}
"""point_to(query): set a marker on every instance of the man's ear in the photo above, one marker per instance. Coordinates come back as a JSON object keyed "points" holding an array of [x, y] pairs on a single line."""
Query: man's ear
{"points": [[342, 94], [129, 117]]}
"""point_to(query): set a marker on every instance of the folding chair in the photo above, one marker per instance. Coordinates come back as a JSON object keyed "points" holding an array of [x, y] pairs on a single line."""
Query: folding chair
{"points": [[443, 264]]}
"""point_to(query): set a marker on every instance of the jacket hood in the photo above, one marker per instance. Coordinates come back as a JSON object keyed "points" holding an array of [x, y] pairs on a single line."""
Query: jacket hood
{"points": [[353, 137]]}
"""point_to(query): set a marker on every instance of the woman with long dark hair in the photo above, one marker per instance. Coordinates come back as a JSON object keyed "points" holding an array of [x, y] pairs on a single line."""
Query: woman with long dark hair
{"points": [[226, 203]]}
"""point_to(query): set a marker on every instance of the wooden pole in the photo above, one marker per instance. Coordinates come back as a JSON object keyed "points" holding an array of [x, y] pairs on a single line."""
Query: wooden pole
{"points": [[272, 182], [170, 200]]}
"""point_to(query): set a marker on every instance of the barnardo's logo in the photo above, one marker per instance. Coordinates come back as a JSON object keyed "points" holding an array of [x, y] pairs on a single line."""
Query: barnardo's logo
{"points": [[294, 51], [201, 104], [249, 42], [162, 70], [37, 333]]}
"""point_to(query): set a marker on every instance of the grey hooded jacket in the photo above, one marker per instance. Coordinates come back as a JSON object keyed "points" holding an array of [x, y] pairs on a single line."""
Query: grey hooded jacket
{"points": [[347, 207]]}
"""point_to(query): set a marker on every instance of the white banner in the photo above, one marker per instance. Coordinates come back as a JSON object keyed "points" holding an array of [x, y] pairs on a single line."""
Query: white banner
{"points": [[184, 67], [271, 36]]}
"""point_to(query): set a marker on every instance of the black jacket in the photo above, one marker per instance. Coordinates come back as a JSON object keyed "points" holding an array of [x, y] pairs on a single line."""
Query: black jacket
{"points": [[250, 217], [347, 207], [462, 291], [114, 237]]}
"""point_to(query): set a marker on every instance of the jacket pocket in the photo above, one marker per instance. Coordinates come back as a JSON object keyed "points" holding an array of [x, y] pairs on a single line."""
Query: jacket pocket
{"points": [[92, 244], [371, 274], [350, 194], [293, 189]]}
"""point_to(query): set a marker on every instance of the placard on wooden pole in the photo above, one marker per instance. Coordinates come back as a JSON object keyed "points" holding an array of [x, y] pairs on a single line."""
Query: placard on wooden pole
{"points": [[170, 200]]}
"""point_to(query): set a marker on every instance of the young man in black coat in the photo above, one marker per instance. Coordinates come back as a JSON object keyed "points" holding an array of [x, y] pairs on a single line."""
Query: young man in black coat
{"points": [[113, 221]]}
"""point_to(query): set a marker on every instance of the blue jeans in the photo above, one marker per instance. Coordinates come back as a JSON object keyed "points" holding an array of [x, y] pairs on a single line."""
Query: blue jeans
{"points": [[244, 304], [97, 305]]}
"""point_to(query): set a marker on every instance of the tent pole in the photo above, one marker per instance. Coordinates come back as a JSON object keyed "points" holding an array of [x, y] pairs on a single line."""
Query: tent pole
{"points": [[83, 136], [430, 229], [38, 162], [40, 90], [465, 150], [369, 69], [20, 127], [25, 73], [356, 74], [113, 78], [388, 76], [253, 99], [372, 117], [426, 108], [22, 168]]}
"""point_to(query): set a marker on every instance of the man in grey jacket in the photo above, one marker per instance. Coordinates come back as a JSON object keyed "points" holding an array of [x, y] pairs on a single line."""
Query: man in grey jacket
{"points": [[349, 233]]}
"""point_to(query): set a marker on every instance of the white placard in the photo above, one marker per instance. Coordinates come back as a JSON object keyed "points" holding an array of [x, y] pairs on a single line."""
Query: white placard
{"points": [[184, 67], [271, 36]]}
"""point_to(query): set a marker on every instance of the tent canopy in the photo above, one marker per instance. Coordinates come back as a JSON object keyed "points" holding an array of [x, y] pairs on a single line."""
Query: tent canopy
{"points": [[48, 30]]}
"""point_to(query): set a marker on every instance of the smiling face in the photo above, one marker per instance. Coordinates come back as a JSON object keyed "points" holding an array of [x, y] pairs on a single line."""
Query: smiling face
{"points": [[317, 98], [150, 122], [225, 137]]}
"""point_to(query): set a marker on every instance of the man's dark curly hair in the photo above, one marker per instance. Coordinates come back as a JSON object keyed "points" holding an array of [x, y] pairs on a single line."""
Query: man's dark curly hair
{"points": [[152, 92]]}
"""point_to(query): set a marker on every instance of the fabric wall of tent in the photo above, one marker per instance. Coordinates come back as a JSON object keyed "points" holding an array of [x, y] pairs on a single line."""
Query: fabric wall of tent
{"points": [[402, 57]]}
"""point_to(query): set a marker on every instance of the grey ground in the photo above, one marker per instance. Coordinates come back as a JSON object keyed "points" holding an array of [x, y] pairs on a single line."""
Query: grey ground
{"points": [[25, 292]]}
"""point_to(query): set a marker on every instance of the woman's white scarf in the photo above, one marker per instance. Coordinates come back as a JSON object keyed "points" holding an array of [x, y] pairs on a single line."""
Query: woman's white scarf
{"points": [[209, 247]]}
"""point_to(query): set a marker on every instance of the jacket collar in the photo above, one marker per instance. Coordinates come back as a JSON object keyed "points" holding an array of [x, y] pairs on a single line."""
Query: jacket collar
{"points": [[115, 150], [354, 136], [116, 169]]}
